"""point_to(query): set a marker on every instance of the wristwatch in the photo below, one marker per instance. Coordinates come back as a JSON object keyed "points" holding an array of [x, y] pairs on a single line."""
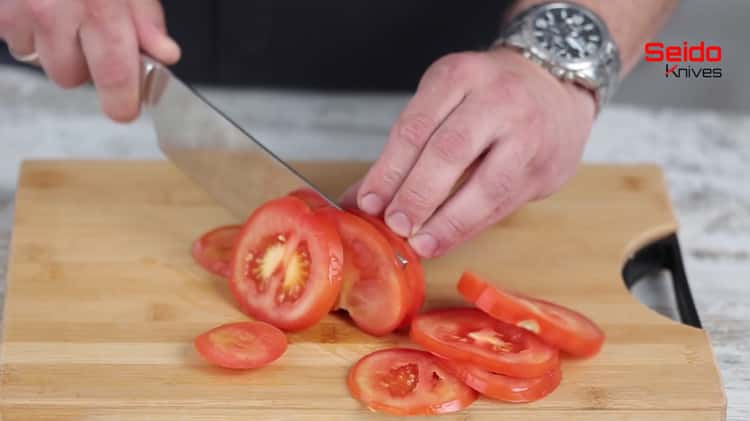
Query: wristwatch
{"points": [[570, 41]]}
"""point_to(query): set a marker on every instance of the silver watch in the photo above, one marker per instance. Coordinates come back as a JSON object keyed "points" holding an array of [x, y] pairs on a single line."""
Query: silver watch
{"points": [[570, 41]]}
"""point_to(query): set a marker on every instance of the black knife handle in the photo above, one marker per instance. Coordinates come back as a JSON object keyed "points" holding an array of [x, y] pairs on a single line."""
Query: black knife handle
{"points": [[658, 255]]}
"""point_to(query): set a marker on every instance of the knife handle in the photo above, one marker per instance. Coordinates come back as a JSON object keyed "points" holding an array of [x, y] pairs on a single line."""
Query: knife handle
{"points": [[153, 81]]}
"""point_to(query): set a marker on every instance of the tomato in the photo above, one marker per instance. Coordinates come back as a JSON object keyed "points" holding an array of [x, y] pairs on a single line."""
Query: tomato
{"points": [[213, 250], [413, 270], [373, 291], [402, 381], [242, 345], [313, 199], [504, 388], [561, 327], [287, 265], [470, 336]]}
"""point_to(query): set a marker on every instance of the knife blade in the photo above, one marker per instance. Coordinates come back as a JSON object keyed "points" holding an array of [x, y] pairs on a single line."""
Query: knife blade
{"points": [[235, 168]]}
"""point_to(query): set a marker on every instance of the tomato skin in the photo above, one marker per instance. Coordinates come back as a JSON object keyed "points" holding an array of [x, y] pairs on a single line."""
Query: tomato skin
{"points": [[373, 290], [313, 199], [288, 218], [213, 250], [468, 335], [413, 271], [559, 326], [504, 388], [242, 345], [425, 389]]}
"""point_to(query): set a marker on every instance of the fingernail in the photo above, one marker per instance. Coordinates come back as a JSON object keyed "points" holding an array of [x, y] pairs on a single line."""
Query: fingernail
{"points": [[399, 223], [424, 244], [371, 204]]}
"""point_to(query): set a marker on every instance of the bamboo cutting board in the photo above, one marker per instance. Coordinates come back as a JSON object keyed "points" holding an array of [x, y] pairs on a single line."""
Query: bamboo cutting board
{"points": [[104, 301]]}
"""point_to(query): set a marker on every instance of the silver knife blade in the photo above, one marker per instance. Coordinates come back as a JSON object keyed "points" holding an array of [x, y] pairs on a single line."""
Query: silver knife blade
{"points": [[235, 168]]}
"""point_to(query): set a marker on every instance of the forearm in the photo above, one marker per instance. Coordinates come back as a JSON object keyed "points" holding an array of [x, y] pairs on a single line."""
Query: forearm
{"points": [[632, 22]]}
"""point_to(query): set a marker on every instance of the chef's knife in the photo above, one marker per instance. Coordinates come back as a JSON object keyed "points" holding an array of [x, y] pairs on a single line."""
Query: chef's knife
{"points": [[235, 168]]}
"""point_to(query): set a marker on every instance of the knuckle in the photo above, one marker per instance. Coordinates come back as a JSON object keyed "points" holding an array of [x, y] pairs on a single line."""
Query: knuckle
{"points": [[114, 72], [496, 186], [456, 228], [41, 12], [415, 199], [453, 146], [97, 10], [455, 68], [391, 178], [413, 131]]}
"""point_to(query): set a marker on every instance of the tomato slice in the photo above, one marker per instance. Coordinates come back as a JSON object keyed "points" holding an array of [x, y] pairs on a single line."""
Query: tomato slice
{"points": [[561, 327], [470, 336], [287, 265], [403, 381], [242, 345], [373, 291], [413, 270], [313, 199], [213, 250], [501, 387]]}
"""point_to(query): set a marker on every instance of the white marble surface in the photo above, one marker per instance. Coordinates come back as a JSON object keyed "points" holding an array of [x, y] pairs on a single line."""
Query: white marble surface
{"points": [[705, 156]]}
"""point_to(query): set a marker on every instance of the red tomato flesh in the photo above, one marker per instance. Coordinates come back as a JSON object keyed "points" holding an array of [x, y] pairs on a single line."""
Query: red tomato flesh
{"points": [[470, 336], [504, 388], [213, 250], [373, 290], [414, 272], [561, 327], [402, 381], [313, 199], [287, 265], [242, 345]]}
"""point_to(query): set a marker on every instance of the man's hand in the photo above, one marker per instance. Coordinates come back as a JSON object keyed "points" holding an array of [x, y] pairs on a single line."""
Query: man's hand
{"points": [[516, 131], [99, 40]]}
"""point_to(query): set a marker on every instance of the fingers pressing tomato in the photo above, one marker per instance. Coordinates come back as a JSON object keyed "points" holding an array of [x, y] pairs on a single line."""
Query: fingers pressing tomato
{"points": [[287, 264]]}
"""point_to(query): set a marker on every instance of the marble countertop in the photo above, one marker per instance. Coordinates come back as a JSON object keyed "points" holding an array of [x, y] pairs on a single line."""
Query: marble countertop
{"points": [[705, 155]]}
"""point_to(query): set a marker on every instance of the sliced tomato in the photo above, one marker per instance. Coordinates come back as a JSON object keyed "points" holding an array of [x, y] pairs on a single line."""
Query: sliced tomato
{"points": [[501, 387], [561, 327], [213, 250], [373, 292], [242, 345], [311, 197], [413, 270], [287, 265], [470, 336], [403, 381]]}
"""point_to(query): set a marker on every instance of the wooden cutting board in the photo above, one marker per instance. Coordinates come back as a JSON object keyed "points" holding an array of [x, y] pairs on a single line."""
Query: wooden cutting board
{"points": [[104, 301]]}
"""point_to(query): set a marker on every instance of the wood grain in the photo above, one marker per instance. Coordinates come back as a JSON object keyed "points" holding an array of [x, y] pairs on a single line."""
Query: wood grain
{"points": [[104, 300]]}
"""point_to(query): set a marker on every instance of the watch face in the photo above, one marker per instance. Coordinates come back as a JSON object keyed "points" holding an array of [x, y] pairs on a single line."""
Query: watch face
{"points": [[567, 33]]}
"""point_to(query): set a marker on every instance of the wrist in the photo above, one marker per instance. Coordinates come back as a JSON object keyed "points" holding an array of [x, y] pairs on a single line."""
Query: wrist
{"points": [[584, 97]]}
